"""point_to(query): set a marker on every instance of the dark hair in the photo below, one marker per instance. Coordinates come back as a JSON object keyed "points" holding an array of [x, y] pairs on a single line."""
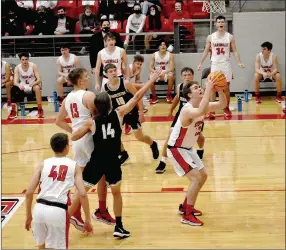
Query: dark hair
{"points": [[267, 45], [186, 69], [104, 20], [162, 41], [87, 7], [23, 54], [154, 21], [102, 104], [187, 89], [61, 8], [220, 18], [138, 58], [109, 66], [136, 4], [65, 46], [76, 74], [109, 35], [59, 142]]}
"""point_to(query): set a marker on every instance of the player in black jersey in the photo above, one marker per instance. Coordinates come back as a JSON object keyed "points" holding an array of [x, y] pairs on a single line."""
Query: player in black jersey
{"points": [[104, 161], [121, 92], [187, 74]]}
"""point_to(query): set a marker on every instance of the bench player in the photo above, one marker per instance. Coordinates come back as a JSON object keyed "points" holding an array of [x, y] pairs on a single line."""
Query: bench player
{"points": [[181, 152], [6, 80], [56, 176], [220, 43], [266, 67], [65, 64], [78, 106], [121, 92], [187, 75], [27, 79], [110, 54], [106, 129], [164, 60]]}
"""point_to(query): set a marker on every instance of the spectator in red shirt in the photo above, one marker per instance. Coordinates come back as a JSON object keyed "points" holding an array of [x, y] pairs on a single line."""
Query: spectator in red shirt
{"points": [[178, 14]]}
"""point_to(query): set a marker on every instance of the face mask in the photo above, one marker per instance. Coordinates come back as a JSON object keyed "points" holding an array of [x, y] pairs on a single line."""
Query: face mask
{"points": [[106, 29], [62, 16], [137, 11], [11, 15], [41, 13], [87, 14], [152, 12]]}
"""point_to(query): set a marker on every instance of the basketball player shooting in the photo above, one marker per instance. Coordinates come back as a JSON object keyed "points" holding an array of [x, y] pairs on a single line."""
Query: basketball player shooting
{"points": [[181, 152], [219, 44]]}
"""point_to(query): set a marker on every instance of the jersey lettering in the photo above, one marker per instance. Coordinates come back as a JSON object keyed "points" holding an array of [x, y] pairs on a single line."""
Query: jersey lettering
{"points": [[120, 101], [74, 110], [61, 175], [109, 131], [220, 51]]}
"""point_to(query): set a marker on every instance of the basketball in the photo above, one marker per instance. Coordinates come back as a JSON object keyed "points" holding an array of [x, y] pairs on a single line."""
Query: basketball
{"points": [[220, 80]]}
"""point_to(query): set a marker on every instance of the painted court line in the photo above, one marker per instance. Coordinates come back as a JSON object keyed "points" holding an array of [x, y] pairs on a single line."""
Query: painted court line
{"points": [[154, 119]]}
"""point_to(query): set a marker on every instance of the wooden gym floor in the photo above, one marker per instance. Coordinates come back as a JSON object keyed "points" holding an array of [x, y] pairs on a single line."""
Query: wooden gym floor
{"points": [[243, 200]]}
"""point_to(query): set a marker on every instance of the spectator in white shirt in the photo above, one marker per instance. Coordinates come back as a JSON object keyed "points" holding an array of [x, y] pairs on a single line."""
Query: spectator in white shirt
{"points": [[135, 24]]}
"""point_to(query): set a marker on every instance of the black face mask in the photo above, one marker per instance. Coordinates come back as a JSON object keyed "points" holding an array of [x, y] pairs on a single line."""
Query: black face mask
{"points": [[106, 29], [11, 15], [62, 16], [41, 13], [137, 11]]}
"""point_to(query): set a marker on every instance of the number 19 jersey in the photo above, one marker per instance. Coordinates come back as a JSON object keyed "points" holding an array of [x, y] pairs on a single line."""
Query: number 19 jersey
{"points": [[57, 178]]}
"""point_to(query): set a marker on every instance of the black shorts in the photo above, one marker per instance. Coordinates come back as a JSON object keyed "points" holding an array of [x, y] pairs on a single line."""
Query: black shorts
{"points": [[98, 166], [132, 119], [18, 95]]}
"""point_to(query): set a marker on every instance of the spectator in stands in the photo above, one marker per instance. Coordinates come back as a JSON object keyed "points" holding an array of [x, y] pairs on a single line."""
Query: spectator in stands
{"points": [[146, 4], [47, 4], [111, 7], [27, 79], [135, 24], [154, 22], [6, 80], [164, 60], [65, 24], [12, 25], [25, 11], [65, 64], [90, 3], [128, 6], [44, 23], [178, 14], [266, 68], [97, 43], [87, 21]]}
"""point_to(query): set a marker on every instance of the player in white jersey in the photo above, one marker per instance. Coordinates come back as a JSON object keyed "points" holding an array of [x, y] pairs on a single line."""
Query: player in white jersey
{"points": [[65, 64], [220, 43], [110, 54], [181, 152], [27, 79], [266, 68], [56, 176], [78, 106], [164, 60], [6, 80]]}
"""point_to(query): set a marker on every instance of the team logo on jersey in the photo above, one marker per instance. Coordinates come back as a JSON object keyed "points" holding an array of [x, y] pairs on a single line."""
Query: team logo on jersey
{"points": [[9, 206]]}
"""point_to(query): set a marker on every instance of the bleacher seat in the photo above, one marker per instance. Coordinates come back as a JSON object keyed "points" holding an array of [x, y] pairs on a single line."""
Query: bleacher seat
{"points": [[195, 10]]}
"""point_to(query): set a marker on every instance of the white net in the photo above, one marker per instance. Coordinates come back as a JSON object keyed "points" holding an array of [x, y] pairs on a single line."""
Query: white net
{"points": [[214, 6]]}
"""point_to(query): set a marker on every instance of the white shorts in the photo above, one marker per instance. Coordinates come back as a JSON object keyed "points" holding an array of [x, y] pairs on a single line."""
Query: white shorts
{"points": [[50, 226], [225, 68], [184, 160], [82, 149]]}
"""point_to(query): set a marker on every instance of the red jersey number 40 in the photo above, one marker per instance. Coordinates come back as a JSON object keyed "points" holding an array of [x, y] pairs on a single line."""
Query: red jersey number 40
{"points": [[59, 175], [220, 51]]}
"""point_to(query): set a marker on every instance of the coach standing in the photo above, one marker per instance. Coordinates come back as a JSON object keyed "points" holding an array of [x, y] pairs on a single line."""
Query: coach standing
{"points": [[97, 43]]}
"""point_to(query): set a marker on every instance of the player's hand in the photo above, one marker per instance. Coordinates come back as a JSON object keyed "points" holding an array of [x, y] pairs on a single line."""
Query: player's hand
{"points": [[199, 67], [31, 84], [28, 223], [22, 86], [155, 75], [163, 73], [141, 117], [241, 65], [210, 83], [97, 87], [88, 228], [93, 71]]}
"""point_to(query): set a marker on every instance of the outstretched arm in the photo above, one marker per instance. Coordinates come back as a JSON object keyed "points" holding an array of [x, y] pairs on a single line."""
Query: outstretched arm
{"points": [[61, 119], [206, 52], [235, 52]]}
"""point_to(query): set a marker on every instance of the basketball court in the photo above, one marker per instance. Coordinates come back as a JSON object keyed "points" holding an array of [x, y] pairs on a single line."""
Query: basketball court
{"points": [[243, 200]]}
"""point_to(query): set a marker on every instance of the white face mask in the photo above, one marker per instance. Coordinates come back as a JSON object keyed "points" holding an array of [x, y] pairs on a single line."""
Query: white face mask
{"points": [[152, 12], [87, 14]]}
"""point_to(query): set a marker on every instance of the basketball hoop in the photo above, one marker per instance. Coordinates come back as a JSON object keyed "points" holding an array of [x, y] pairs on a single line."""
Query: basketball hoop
{"points": [[214, 6]]}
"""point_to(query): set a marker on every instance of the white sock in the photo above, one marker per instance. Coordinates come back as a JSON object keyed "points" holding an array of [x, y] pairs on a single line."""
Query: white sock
{"points": [[200, 148], [163, 159]]}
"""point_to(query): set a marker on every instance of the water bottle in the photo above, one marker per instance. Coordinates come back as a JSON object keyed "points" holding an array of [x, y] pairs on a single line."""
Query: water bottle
{"points": [[56, 106], [22, 109], [55, 96], [246, 95], [239, 104]]}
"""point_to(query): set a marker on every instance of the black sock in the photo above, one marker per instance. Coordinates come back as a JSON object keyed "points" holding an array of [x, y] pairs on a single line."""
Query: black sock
{"points": [[118, 221], [153, 144]]}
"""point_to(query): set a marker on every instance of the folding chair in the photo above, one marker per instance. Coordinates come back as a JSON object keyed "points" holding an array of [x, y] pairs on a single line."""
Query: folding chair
{"points": [[267, 85]]}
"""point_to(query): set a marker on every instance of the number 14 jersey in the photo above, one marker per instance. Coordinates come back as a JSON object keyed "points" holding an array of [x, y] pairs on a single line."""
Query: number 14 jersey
{"points": [[220, 48]]}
